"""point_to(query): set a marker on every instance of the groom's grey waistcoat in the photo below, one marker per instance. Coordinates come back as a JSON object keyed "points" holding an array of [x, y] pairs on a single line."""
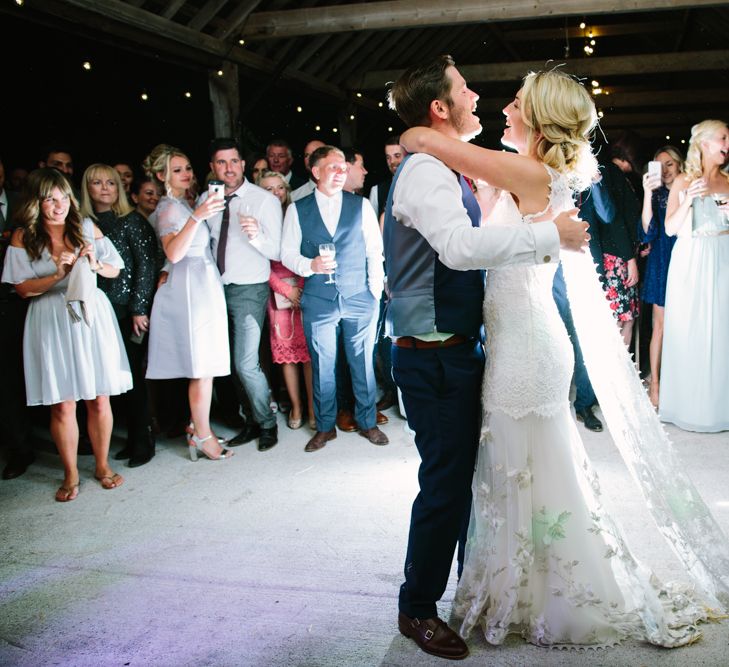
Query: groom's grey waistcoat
{"points": [[425, 295]]}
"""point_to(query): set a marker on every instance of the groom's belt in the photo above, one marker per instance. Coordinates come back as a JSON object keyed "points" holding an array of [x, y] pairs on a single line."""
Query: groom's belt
{"points": [[417, 344]]}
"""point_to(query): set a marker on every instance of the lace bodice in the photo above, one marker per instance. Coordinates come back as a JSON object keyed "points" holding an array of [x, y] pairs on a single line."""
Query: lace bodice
{"points": [[529, 356]]}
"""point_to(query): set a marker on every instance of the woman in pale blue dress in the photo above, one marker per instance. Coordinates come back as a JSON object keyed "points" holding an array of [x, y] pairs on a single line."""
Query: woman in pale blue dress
{"points": [[188, 330], [66, 361], [694, 375]]}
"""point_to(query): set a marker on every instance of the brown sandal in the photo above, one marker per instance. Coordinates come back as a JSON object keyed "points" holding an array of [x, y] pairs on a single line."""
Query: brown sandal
{"points": [[67, 493], [111, 481]]}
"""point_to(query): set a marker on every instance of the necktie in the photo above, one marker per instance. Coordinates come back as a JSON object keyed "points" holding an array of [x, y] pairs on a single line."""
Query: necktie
{"points": [[223, 240], [2, 217]]}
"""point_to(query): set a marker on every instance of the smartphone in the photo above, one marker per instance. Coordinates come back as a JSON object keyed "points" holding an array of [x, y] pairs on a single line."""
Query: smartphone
{"points": [[216, 189], [655, 168]]}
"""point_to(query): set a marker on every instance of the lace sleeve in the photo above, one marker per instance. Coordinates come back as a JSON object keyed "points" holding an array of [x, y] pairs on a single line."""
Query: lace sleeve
{"points": [[171, 216]]}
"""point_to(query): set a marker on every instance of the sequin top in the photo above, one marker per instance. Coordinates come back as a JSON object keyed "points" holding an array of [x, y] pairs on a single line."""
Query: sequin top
{"points": [[135, 241]]}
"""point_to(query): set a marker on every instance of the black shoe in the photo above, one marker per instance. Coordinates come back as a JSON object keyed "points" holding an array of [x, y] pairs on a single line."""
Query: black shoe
{"points": [[268, 438], [17, 465], [123, 454], [591, 422], [137, 460], [250, 432]]}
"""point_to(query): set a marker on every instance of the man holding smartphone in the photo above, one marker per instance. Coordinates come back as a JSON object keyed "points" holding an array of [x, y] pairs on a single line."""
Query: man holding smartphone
{"points": [[246, 236]]}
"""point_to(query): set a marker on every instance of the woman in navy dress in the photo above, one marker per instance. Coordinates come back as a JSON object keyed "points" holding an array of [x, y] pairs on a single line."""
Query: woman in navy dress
{"points": [[653, 232]]}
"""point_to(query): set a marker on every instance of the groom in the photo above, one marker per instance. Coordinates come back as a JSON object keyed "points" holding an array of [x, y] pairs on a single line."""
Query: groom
{"points": [[434, 253]]}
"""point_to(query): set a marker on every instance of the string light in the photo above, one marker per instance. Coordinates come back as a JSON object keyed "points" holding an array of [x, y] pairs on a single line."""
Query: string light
{"points": [[20, 3], [600, 114], [86, 65], [220, 72], [389, 129], [359, 94], [241, 42], [351, 117], [668, 137], [144, 97], [335, 130], [595, 84], [597, 91], [683, 141], [299, 109], [379, 104], [188, 94], [317, 127], [582, 25]]}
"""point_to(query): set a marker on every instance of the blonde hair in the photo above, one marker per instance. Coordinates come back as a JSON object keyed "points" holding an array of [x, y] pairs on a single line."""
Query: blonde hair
{"points": [[702, 131], [268, 173], [674, 152], [560, 116], [158, 162], [120, 207]]}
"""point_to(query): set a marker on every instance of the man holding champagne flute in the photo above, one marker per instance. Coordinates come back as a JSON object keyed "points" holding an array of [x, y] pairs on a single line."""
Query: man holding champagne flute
{"points": [[336, 233]]}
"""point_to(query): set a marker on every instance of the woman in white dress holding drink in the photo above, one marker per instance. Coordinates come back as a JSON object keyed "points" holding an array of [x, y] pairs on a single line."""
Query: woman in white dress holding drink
{"points": [[695, 372]]}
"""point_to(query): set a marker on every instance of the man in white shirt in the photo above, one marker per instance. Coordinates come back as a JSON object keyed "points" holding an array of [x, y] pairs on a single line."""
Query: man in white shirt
{"points": [[310, 185], [434, 250], [348, 300], [394, 154], [245, 237]]}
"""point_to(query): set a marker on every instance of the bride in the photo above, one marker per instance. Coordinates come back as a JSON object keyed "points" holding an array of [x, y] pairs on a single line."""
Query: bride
{"points": [[543, 559]]}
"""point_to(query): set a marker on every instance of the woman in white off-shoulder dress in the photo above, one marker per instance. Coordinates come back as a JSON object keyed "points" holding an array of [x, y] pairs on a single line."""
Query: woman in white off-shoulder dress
{"points": [[65, 359], [543, 559], [188, 328]]}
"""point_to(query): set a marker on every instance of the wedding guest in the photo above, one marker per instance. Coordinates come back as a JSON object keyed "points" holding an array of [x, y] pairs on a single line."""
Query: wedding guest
{"points": [[619, 243], [258, 165], [126, 173], [653, 232], [67, 361], [145, 194], [694, 392], [104, 201], [288, 343], [188, 332], [245, 238], [346, 301]]}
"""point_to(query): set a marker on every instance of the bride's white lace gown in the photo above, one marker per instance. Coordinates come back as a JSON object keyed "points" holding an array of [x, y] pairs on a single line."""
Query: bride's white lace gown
{"points": [[543, 559]]}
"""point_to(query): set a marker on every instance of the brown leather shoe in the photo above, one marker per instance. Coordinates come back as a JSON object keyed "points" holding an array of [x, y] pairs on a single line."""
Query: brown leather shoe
{"points": [[433, 636], [381, 419], [320, 439], [345, 421], [374, 435], [387, 401]]}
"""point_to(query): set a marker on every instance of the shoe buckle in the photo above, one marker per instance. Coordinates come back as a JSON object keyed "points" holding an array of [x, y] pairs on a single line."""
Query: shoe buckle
{"points": [[428, 635]]}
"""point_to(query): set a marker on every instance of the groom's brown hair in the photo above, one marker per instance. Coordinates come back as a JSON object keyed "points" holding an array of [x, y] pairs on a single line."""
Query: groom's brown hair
{"points": [[410, 96]]}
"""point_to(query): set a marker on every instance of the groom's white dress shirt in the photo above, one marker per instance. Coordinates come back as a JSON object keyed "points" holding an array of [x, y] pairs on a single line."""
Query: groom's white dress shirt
{"points": [[427, 198]]}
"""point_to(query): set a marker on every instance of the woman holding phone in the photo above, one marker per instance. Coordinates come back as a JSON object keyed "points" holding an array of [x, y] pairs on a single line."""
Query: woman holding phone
{"points": [[667, 164], [188, 335]]}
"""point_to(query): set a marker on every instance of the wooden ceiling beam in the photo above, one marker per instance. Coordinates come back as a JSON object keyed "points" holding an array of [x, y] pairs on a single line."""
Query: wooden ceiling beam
{"points": [[237, 18], [121, 18], [206, 14], [395, 14], [608, 30], [652, 63]]}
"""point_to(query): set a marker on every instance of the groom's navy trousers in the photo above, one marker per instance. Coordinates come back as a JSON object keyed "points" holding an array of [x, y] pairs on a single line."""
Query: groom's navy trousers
{"points": [[441, 392]]}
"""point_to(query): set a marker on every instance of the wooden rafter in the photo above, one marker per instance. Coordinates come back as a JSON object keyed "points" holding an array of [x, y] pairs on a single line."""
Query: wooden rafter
{"points": [[421, 13]]}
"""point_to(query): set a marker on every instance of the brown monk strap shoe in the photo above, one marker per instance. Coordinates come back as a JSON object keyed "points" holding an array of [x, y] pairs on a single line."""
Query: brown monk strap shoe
{"points": [[374, 435], [320, 439], [433, 636], [345, 421]]}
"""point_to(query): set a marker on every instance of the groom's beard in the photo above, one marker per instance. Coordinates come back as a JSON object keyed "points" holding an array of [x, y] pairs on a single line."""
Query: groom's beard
{"points": [[465, 123]]}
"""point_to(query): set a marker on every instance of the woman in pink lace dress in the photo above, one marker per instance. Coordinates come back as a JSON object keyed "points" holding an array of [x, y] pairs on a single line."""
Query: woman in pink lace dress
{"points": [[288, 345]]}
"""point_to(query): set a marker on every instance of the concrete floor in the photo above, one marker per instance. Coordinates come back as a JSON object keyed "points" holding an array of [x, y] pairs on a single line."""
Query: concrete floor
{"points": [[271, 559]]}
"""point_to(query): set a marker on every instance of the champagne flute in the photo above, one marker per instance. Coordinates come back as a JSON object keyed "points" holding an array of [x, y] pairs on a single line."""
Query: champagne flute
{"points": [[328, 251], [248, 222]]}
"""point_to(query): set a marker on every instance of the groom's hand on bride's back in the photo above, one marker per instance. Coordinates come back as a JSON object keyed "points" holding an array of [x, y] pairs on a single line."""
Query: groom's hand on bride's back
{"points": [[572, 231]]}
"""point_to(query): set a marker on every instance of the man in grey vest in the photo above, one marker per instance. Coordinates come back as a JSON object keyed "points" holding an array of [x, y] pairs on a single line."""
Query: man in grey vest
{"points": [[434, 250], [341, 292]]}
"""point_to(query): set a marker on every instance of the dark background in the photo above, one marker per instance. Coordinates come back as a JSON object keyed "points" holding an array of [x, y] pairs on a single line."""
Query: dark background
{"points": [[48, 97]]}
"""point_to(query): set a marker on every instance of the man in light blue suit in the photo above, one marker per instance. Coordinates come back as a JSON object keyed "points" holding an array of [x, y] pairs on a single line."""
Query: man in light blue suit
{"points": [[341, 293]]}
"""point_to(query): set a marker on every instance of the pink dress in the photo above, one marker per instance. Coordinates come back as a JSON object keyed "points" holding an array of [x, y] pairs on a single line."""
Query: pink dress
{"points": [[288, 345]]}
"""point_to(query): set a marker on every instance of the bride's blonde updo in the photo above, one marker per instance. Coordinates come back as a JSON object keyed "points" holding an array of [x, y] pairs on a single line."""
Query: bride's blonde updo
{"points": [[158, 162], [700, 132], [560, 116]]}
